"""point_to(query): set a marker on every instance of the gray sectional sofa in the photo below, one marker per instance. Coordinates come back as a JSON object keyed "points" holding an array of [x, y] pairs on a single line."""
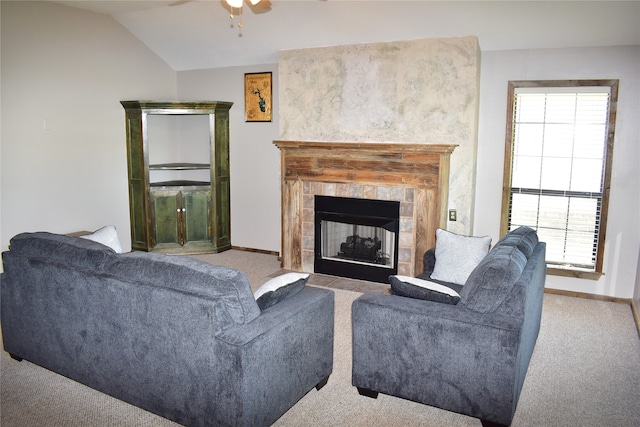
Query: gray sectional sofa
{"points": [[178, 337], [467, 354]]}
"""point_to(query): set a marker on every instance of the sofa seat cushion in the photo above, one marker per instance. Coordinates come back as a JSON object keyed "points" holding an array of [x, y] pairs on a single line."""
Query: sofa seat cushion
{"points": [[413, 287], [279, 288], [228, 288], [492, 280], [458, 255]]}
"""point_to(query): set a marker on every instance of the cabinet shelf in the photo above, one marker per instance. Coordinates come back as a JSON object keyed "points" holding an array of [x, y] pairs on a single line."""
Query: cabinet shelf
{"points": [[180, 183], [179, 166]]}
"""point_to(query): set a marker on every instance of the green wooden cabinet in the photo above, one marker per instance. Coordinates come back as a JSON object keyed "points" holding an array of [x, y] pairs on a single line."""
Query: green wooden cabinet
{"points": [[178, 169]]}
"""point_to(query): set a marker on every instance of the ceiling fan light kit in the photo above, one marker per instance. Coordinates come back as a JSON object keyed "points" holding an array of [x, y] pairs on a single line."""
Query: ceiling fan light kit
{"points": [[237, 4]]}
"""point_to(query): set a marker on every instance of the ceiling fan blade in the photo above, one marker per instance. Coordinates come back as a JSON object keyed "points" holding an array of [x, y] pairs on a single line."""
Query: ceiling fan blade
{"points": [[261, 7], [179, 2]]}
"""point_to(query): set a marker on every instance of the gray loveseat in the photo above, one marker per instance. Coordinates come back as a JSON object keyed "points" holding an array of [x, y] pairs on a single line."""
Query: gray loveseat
{"points": [[175, 336], [469, 356]]}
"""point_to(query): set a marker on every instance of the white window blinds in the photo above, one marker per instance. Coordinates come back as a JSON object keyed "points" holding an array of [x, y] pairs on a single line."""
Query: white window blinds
{"points": [[558, 163]]}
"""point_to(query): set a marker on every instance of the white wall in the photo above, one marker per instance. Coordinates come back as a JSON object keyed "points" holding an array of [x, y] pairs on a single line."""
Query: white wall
{"points": [[69, 68], [255, 161], [623, 231], [636, 292]]}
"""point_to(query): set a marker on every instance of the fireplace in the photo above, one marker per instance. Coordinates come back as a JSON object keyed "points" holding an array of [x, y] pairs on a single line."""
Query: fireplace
{"points": [[356, 238], [415, 176]]}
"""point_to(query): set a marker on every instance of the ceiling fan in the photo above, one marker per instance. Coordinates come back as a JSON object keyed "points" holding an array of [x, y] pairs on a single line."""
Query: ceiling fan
{"points": [[257, 6], [235, 8]]}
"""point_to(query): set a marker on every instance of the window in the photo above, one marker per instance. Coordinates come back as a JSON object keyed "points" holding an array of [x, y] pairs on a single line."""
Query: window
{"points": [[558, 153]]}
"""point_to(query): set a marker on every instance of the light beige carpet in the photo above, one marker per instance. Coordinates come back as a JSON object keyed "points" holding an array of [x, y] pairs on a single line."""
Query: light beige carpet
{"points": [[585, 371]]}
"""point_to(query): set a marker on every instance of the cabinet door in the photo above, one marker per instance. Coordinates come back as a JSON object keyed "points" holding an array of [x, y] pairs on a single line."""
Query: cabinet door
{"points": [[196, 206], [166, 222]]}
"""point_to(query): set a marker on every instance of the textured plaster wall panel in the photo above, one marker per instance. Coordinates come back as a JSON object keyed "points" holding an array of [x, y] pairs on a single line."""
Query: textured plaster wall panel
{"points": [[419, 91]]}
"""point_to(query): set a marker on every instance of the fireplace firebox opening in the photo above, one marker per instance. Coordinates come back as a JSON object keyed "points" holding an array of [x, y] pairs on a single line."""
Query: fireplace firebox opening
{"points": [[356, 238]]}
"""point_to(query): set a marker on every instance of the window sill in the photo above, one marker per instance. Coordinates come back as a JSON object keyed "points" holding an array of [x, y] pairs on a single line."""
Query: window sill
{"points": [[578, 274]]}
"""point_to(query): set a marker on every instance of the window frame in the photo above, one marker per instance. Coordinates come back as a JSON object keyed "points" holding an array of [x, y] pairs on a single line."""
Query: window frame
{"points": [[608, 162]]}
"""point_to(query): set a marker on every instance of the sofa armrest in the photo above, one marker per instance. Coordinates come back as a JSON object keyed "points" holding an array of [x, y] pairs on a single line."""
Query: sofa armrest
{"points": [[438, 354], [278, 357], [429, 311], [285, 312]]}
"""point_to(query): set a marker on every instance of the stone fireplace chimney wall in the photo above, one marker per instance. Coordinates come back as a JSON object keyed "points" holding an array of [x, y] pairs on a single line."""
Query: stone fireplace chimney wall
{"points": [[420, 91]]}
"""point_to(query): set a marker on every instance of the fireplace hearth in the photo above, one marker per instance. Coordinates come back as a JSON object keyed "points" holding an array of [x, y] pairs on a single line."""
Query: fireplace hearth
{"points": [[356, 238]]}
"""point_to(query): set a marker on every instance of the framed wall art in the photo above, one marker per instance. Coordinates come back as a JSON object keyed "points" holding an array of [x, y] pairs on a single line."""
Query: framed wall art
{"points": [[257, 97]]}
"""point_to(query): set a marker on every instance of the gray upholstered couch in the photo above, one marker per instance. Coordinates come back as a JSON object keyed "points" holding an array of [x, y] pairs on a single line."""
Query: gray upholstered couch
{"points": [[469, 357], [172, 335]]}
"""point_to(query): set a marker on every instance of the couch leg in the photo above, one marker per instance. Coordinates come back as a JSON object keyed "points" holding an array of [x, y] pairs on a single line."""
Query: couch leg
{"points": [[486, 423], [322, 383], [14, 357], [368, 393]]}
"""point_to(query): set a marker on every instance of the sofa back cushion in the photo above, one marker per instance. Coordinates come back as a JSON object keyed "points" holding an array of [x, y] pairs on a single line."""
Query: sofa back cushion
{"points": [[229, 289], [524, 238], [492, 280], [57, 248]]}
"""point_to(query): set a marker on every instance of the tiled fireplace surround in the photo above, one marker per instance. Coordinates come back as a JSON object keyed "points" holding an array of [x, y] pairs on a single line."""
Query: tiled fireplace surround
{"points": [[416, 175]]}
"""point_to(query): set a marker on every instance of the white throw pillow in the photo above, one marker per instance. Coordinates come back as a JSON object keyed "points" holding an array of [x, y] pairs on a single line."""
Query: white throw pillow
{"points": [[107, 236], [457, 255]]}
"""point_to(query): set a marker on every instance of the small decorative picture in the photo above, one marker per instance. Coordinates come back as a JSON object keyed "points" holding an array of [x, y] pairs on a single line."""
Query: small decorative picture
{"points": [[257, 97]]}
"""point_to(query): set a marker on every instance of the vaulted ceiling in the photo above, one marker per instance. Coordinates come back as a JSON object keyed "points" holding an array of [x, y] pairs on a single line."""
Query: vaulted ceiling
{"points": [[196, 34]]}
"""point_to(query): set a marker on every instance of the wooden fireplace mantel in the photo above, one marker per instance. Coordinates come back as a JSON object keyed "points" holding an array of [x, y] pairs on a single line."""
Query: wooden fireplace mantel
{"points": [[362, 162], [421, 167]]}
